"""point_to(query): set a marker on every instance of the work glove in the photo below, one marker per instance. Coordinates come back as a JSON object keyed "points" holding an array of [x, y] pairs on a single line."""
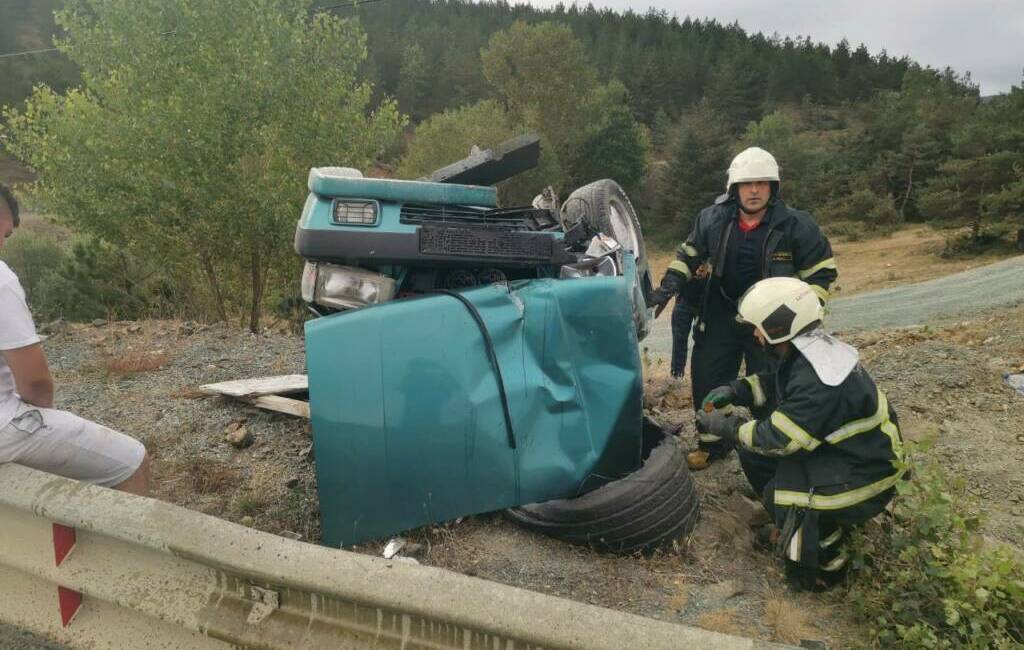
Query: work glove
{"points": [[658, 298], [669, 288], [725, 425], [718, 397]]}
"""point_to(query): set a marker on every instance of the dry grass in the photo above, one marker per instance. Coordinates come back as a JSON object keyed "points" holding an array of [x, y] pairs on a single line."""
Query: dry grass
{"points": [[135, 361], [789, 621], [679, 599], [203, 477], [721, 620], [189, 392]]}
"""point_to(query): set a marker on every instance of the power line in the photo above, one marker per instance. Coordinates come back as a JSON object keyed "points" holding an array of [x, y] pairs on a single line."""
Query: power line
{"points": [[354, 3], [28, 52], [173, 32]]}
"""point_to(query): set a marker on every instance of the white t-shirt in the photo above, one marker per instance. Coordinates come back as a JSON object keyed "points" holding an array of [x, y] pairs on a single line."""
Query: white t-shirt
{"points": [[16, 331]]}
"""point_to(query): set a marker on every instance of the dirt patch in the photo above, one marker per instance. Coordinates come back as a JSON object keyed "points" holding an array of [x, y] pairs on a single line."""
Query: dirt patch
{"points": [[908, 255], [141, 378]]}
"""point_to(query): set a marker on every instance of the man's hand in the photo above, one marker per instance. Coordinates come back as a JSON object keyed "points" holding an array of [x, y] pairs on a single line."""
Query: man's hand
{"points": [[718, 397], [31, 374], [719, 423]]}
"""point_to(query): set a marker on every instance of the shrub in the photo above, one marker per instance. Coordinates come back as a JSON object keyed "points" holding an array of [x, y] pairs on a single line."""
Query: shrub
{"points": [[848, 230], [95, 280], [927, 577], [865, 207], [33, 254]]}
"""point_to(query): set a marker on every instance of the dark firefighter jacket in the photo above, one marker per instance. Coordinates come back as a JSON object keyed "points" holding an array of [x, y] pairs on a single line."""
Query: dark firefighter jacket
{"points": [[838, 446], [794, 246]]}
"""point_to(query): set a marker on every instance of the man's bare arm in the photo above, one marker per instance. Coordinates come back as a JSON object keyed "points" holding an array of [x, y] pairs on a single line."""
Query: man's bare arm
{"points": [[31, 374]]}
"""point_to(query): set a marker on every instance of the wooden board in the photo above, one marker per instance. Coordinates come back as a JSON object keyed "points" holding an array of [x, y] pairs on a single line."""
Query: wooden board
{"points": [[281, 405], [259, 386]]}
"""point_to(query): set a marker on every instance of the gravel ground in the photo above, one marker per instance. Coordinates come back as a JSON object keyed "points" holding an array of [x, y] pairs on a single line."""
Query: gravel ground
{"points": [[141, 378], [11, 638], [952, 297]]}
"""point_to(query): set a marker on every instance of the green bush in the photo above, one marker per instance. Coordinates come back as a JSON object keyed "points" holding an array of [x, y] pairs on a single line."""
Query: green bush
{"points": [[33, 254], [863, 206], [848, 230], [997, 237], [928, 579], [82, 278]]}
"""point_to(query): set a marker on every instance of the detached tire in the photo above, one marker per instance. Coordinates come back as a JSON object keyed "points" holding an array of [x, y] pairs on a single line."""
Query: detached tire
{"points": [[605, 207], [639, 513]]}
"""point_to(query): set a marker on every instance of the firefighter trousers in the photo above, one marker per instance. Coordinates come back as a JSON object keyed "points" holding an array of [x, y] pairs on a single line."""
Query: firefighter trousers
{"points": [[682, 318], [720, 346]]}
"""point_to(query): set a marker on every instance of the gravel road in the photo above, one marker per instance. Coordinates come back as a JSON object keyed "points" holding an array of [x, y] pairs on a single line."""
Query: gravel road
{"points": [[961, 295]]}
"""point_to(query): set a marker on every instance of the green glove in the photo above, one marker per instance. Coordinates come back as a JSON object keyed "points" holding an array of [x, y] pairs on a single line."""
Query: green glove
{"points": [[718, 397]]}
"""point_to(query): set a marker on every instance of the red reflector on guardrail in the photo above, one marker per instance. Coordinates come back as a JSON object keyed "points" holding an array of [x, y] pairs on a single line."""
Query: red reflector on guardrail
{"points": [[63, 542]]}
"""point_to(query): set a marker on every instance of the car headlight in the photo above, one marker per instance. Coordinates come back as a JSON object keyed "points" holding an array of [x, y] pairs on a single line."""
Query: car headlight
{"points": [[344, 287], [346, 212]]}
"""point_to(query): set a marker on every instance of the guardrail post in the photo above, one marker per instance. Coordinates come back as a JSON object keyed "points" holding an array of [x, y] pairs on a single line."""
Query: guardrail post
{"points": [[69, 600]]}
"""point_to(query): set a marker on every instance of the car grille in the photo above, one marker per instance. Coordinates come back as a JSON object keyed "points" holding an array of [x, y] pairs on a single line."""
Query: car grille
{"points": [[486, 243], [422, 213]]}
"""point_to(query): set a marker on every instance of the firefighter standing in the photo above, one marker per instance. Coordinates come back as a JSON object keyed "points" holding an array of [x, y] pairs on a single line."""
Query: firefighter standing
{"points": [[829, 452], [747, 235]]}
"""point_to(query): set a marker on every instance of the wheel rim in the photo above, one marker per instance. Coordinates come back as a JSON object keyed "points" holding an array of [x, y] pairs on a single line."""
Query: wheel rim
{"points": [[622, 227]]}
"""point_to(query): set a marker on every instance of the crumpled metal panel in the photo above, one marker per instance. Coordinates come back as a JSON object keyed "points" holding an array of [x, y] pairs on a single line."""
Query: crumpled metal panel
{"points": [[408, 425]]}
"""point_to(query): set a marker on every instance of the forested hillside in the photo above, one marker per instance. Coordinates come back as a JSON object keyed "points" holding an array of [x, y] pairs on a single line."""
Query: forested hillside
{"points": [[866, 141], [428, 55]]}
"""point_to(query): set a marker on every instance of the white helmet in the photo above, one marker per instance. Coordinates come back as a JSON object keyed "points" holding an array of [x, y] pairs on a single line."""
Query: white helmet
{"points": [[780, 308], [752, 164]]}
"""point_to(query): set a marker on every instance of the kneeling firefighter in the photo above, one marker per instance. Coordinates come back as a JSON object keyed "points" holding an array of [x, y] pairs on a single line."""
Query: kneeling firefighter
{"points": [[830, 452]]}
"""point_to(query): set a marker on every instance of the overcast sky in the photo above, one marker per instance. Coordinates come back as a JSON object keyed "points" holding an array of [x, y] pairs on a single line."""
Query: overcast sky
{"points": [[985, 37]]}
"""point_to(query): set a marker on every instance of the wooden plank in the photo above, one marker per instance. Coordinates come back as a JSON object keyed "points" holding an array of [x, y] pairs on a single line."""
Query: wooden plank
{"points": [[258, 386], [281, 405]]}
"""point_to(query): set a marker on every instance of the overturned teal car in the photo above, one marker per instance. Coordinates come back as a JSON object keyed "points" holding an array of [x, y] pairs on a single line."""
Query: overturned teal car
{"points": [[469, 358]]}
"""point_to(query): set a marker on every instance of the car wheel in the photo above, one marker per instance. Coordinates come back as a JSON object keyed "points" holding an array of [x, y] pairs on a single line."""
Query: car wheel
{"points": [[604, 206], [639, 513]]}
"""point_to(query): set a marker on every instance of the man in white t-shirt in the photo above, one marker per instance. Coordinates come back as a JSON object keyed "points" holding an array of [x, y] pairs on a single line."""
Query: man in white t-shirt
{"points": [[32, 432]]}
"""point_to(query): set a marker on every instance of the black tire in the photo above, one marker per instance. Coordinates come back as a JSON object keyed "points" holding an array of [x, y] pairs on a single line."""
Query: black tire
{"points": [[605, 207], [639, 513]]}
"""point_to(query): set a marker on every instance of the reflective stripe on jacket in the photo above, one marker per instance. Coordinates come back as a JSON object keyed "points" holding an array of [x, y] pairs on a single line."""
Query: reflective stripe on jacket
{"points": [[838, 446], [794, 246]]}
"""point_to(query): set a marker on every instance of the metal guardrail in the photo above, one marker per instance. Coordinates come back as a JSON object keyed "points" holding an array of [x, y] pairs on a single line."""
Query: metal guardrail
{"points": [[120, 571]]}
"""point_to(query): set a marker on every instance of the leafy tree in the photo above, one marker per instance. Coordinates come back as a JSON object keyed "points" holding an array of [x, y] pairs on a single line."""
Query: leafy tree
{"points": [[544, 79], [809, 163], [541, 74], [736, 91], [449, 136], [909, 133], [661, 132], [615, 146], [982, 180], [189, 142], [696, 172], [414, 82], [27, 25], [446, 137]]}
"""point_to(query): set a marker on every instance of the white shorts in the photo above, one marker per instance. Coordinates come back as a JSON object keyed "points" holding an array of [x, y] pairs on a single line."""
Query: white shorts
{"points": [[62, 443]]}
